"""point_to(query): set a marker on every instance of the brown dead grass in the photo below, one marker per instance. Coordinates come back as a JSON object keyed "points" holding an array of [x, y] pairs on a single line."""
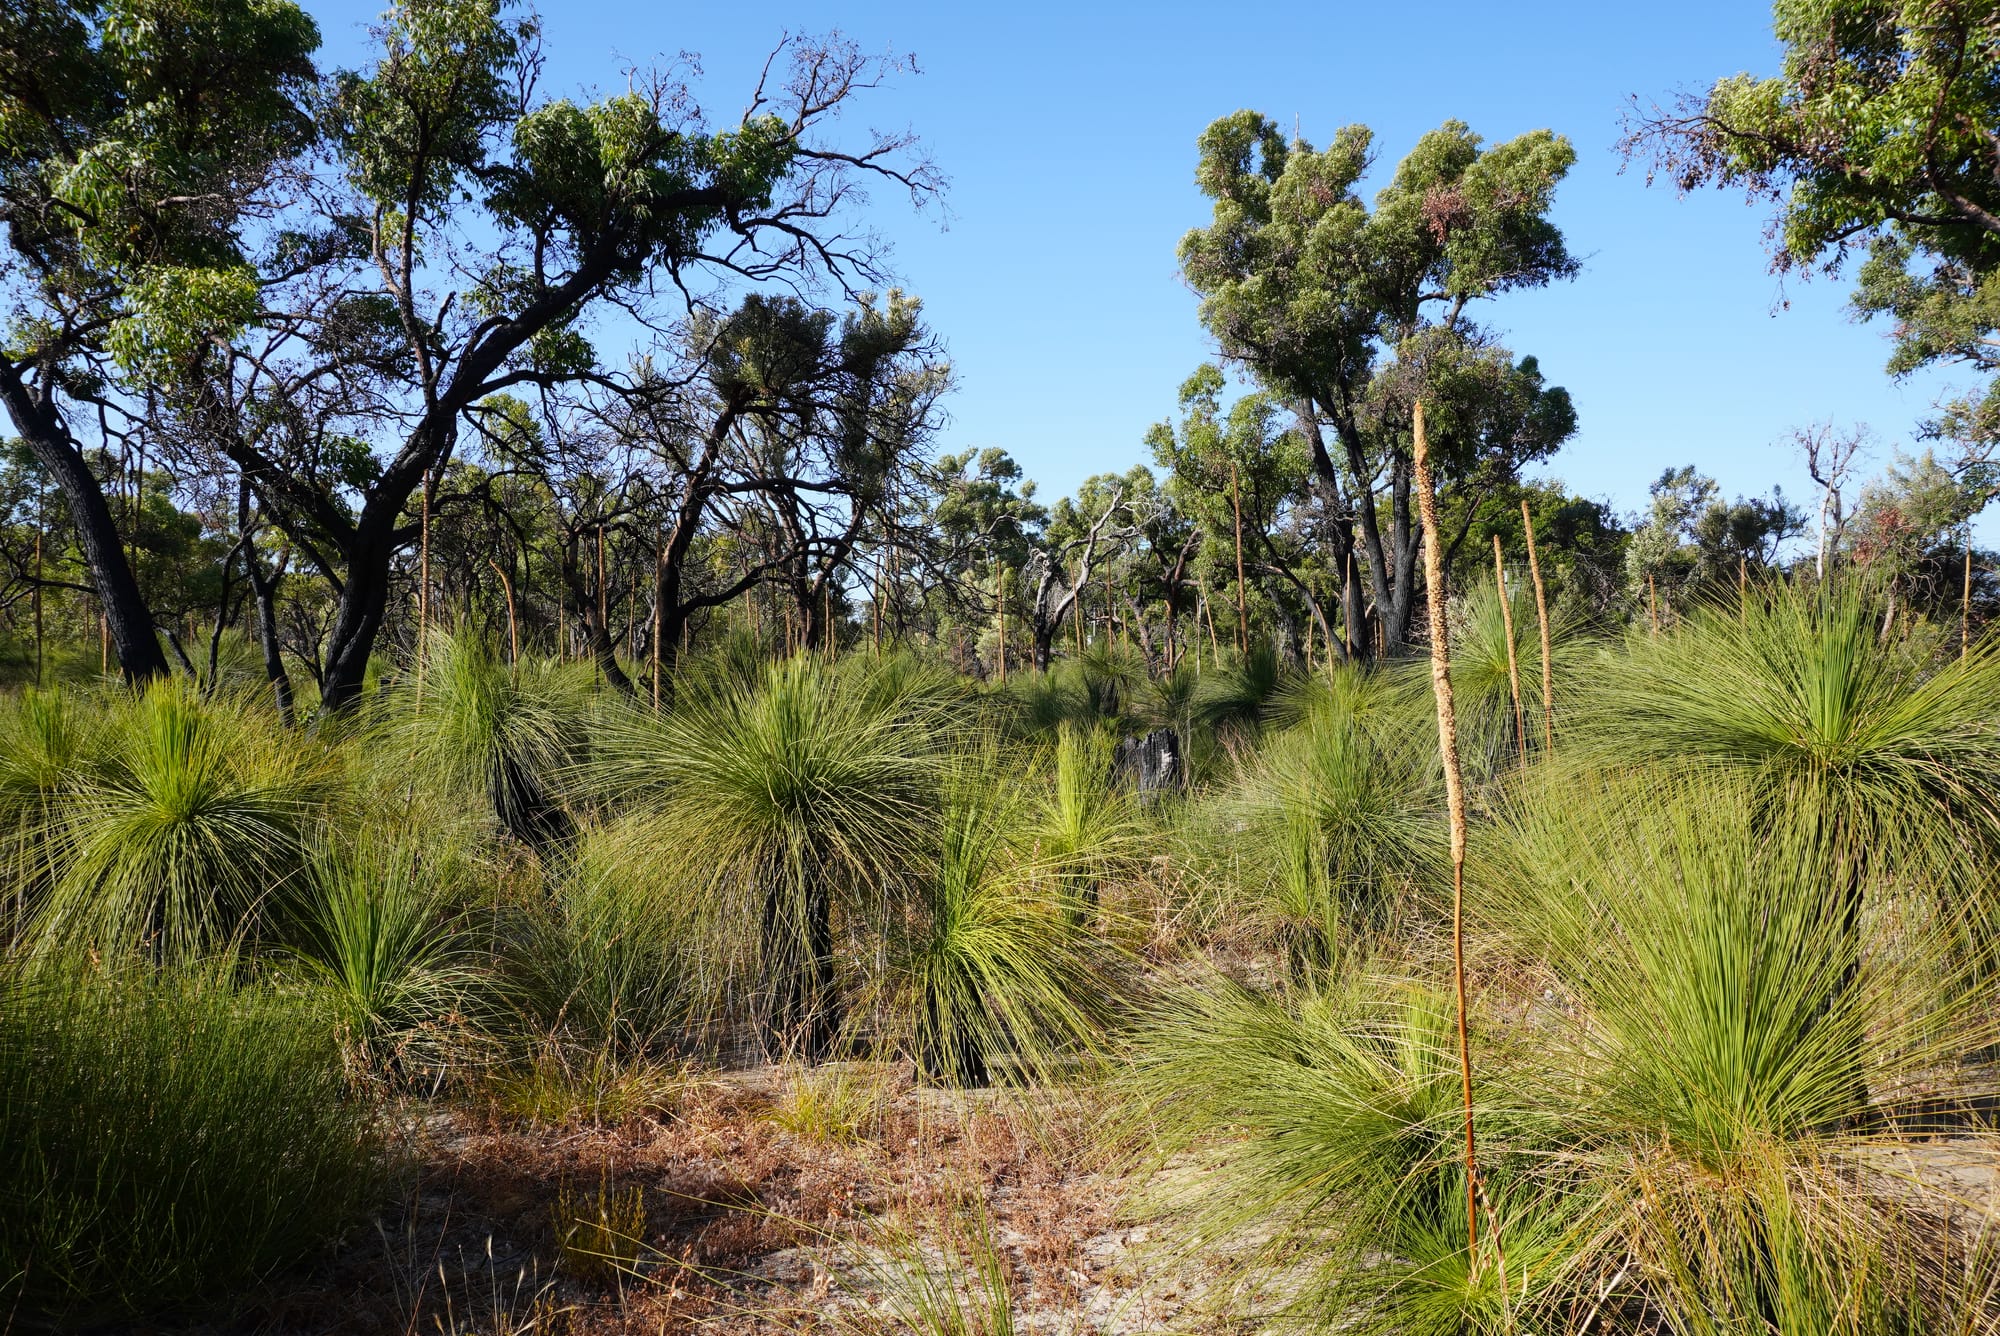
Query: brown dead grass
{"points": [[743, 1219]]}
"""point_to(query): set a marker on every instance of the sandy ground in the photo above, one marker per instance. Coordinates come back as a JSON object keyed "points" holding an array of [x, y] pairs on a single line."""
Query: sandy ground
{"points": [[769, 1202]]}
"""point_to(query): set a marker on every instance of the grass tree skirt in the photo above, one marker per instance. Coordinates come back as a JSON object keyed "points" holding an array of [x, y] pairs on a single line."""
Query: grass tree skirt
{"points": [[799, 1013]]}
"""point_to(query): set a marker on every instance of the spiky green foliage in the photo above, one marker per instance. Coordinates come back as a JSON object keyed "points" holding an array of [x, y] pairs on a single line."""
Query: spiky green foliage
{"points": [[1040, 703], [1830, 727], [996, 956], [1081, 827], [1327, 830], [783, 807], [1736, 1048], [1481, 688], [47, 739], [384, 946], [165, 1140], [1168, 700], [512, 729], [1112, 676], [1238, 693], [1333, 1132], [616, 960], [188, 833], [901, 685]]}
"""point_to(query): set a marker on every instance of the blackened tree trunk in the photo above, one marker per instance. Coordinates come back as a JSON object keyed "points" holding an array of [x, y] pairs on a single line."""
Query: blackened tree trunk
{"points": [[799, 1014], [364, 604], [949, 1047], [263, 594], [126, 616]]}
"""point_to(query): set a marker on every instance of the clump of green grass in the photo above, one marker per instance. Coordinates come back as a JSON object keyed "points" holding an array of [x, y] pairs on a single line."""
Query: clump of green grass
{"points": [[1481, 683], [188, 834], [613, 956], [1238, 695], [1884, 749], [1081, 828], [942, 1276], [557, 1083], [166, 1140], [383, 944], [600, 1232], [48, 741], [832, 1105]]}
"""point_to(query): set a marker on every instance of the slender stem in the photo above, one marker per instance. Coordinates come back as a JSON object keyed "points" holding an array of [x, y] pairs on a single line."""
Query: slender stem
{"points": [[1513, 665], [423, 589], [40, 502], [1964, 600], [1541, 614], [1454, 790], [1000, 618], [659, 615], [1242, 615], [513, 629]]}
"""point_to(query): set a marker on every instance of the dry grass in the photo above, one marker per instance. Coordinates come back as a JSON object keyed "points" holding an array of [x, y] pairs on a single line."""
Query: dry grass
{"points": [[737, 1205]]}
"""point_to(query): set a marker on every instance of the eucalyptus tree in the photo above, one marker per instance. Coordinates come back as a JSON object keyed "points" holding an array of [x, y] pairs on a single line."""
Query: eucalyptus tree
{"points": [[1690, 536], [977, 515], [1244, 481], [1084, 534], [845, 409], [1349, 313], [1876, 137], [137, 138], [472, 233]]}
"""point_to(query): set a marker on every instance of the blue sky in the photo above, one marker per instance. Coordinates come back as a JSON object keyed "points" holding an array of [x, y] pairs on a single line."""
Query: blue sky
{"points": [[1068, 133]]}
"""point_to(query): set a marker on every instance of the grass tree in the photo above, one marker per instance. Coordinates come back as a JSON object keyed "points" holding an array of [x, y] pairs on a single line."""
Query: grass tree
{"points": [[1884, 749], [1082, 827], [1890, 749], [189, 833], [786, 805], [1327, 828], [995, 956], [1482, 627], [47, 742], [513, 729], [1330, 1129], [383, 944], [1713, 1017]]}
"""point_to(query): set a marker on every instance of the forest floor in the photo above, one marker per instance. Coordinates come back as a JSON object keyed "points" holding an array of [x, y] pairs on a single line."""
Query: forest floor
{"points": [[757, 1201]]}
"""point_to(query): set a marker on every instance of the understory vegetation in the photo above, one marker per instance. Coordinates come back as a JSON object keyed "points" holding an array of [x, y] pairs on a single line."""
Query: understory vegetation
{"points": [[536, 796], [1729, 981]]}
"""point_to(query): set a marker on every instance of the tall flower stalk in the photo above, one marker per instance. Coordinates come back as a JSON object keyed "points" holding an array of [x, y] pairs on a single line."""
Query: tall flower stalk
{"points": [[1541, 615], [1454, 791]]}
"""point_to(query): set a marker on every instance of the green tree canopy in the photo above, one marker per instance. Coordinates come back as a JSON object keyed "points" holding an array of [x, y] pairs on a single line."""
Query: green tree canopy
{"points": [[1350, 313], [1875, 137]]}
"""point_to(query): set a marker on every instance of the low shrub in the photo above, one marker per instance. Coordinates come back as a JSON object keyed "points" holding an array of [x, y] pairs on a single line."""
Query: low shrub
{"points": [[166, 1140]]}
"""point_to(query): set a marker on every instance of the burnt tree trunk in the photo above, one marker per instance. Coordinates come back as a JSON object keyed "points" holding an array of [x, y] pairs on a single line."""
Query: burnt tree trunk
{"points": [[799, 1012], [126, 616]]}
